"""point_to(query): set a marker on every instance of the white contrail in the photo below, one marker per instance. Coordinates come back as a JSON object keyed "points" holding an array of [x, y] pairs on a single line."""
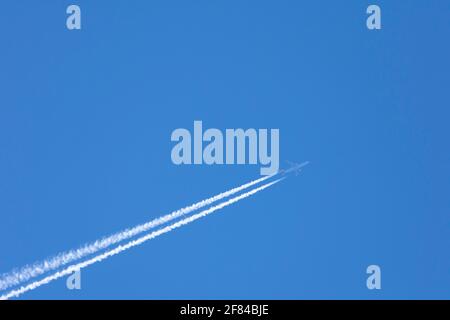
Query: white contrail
{"points": [[121, 248], [28, 272]]}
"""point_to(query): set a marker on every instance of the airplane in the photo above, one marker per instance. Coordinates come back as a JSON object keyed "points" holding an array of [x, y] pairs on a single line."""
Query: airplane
{"points": [[294, 167]]}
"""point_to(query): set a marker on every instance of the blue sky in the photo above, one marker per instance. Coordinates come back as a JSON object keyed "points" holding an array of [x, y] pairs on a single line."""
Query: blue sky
{"points": [[86, 118]]}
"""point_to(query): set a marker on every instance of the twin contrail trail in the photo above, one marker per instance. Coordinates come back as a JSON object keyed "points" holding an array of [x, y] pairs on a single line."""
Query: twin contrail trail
{"points": [[28, 272], [139, 241]]}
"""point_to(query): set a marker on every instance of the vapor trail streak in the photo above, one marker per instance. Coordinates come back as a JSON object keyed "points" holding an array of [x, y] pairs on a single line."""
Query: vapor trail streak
{"points": [[134, 243], [28, 272]]}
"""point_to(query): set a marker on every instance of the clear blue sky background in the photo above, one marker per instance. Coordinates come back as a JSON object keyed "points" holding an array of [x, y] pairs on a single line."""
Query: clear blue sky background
{"points": [[86, 118]]}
